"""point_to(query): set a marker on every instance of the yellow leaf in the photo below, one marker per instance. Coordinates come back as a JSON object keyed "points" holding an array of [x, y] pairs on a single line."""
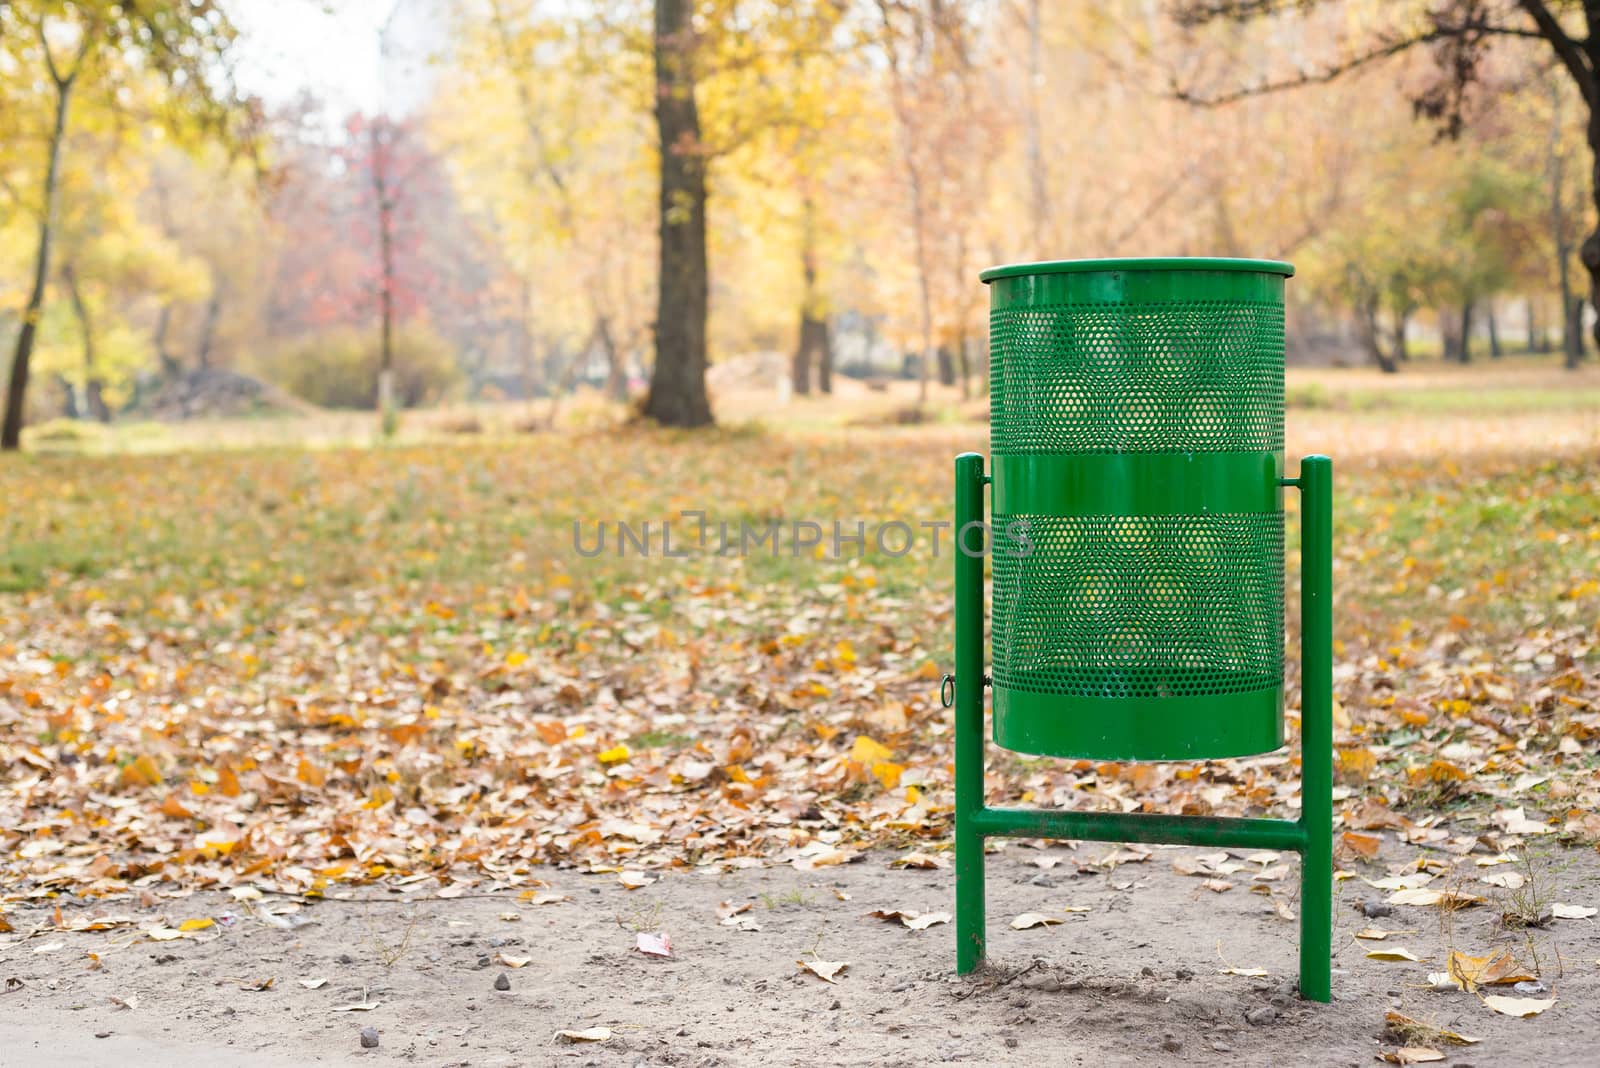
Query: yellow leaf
{"points": [[1034, 919], [615, 755], [1397, 953], [869, 752], [516, 659], [887, 773], [310, 774], [198, 924], [1411, 1055], [141, 772]]}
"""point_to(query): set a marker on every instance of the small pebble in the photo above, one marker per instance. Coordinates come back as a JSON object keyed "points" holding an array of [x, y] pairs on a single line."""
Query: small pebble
{"points": [[1184, 973], [1261, 1015], [369, 1038], [1373, 910], [1532, 987], [1041, 981], [1171, 1044], [344, 958], [1011, 1043], [1222, 1047], [502, 981]]}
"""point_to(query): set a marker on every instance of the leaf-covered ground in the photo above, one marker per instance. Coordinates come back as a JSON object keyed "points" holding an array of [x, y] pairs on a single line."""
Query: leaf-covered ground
{"points": [[388, 673], [311, 669]]}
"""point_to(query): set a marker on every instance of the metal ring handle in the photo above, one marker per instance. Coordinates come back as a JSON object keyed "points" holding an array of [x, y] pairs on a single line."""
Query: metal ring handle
{"points": [[947, 691]]}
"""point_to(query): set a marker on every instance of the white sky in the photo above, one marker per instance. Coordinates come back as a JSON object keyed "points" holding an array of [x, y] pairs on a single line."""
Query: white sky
{"points": [[330, 47]]}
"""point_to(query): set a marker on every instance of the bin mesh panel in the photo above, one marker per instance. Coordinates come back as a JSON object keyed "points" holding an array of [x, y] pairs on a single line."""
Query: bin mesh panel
{"points": [[1190, 376], [1138, 606]]}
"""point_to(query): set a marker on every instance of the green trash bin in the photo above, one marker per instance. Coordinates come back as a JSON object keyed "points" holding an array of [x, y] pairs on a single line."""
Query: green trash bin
{"points": [[1136, 541], [1136, 433]]}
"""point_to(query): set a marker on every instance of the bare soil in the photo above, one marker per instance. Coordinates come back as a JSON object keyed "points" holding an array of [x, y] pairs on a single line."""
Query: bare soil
{"points": [[1137, 979]]}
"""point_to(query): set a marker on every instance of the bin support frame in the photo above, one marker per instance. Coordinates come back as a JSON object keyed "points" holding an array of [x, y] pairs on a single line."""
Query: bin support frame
{"points": [[1311, 836]]}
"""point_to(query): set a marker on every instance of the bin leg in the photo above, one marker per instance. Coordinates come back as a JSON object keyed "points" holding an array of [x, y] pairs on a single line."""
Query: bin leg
{"points": [[967, 549], [1316, 726]]}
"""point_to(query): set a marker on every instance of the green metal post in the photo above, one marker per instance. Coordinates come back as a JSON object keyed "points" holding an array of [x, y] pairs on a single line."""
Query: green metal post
{"points": [[968, 549], [1316, 726]]}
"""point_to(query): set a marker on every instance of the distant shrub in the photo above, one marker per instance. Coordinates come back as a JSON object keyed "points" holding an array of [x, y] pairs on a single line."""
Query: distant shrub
{"points": [[65, 435], [340, 369]]}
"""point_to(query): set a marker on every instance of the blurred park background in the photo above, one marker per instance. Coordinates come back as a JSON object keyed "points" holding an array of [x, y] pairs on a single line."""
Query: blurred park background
{"points": [[532, 213]]}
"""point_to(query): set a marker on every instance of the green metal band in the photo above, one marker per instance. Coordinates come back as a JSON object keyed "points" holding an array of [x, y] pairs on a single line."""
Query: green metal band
{"points": [[1204, 727], [1137, 483], [1187, 264], [1113, 285], [1141, 827]]}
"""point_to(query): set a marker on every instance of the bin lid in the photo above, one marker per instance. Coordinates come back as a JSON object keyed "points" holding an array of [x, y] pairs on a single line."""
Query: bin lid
{"points": [[1159, 263]]}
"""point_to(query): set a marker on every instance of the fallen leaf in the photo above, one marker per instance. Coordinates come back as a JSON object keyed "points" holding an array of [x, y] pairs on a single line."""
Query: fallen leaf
{"points": [[1523, 1007], [1254, 973], [1469, 973], [1572, 912], [928, 919], [1034, 919], [129, 1002], [1374, 934], [312, 984], [1217, 886], [196, 924], [360, 1006], [1397, 953], [1363, 845], [654, 945], [924, 861], [588, 1034], [1425, 897], [1515, 821], [1403, 1023], [1506, 880], [543, 897], [824, 969], [633, 880], [510, 961], [1410, 1055]]}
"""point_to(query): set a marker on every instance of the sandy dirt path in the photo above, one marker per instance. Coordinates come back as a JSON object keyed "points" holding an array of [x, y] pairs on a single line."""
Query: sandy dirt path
{"points": [[1136, 979]]}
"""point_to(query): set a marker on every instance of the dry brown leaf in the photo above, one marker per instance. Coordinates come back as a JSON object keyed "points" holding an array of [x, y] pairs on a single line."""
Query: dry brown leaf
{"points": [[1034, 919], [824, 969]]}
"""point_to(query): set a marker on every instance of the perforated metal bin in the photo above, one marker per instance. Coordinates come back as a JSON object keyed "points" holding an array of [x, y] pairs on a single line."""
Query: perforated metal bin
{"points": [[1137, 411]]}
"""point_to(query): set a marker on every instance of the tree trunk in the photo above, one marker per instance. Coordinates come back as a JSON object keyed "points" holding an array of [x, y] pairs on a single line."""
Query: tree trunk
{"points": [[947, 367], [1402, 320], [93, 388], [1589, 251], [616, 374], [824, 358], [17, 387], [1464, 353], [381, 192], [208, 329], [1572, 343], [677, 394], [1494, 334], [1038, 180], [1372, 336], [813, 340]]}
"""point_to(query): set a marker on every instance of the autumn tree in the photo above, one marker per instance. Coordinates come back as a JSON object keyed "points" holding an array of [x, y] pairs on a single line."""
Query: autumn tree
{"points": [[102, 47], [1459, 35]]}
